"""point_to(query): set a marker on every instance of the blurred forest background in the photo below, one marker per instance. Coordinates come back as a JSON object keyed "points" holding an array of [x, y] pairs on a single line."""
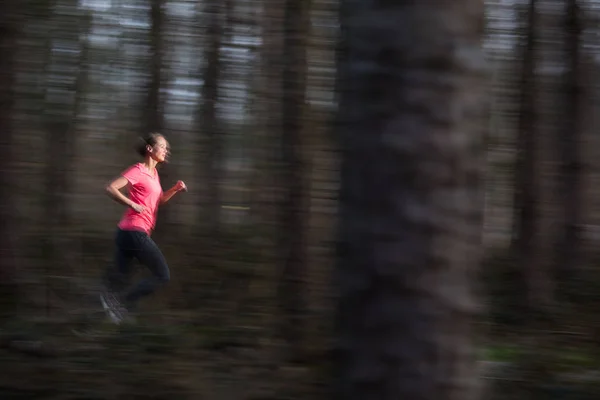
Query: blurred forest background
{"points": [[247, 94]]}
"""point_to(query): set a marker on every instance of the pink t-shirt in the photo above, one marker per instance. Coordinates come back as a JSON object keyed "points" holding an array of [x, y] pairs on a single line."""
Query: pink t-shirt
{"points": [[144, 189]]}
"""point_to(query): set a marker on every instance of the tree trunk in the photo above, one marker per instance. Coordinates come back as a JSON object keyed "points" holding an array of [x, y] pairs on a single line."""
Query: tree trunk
{"points": [[8, 49], [154, 107], [210, 126], [569, 146], [526, 242], [67, 62], [66, 76], [412, 108], [153, 113], [292, 244], [266, 195]]}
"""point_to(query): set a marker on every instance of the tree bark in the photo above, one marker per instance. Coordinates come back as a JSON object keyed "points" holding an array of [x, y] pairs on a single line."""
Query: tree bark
{"points": [[569, 146], [266, 195], [411, 122], [526, 240], [153, 113], [292, 244], [8, 49], [154, 106], [67, 62], [212, 157]]}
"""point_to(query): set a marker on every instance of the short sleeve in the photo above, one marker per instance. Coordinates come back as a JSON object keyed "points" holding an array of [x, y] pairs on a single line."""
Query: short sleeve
{"points": [[132, 174]]}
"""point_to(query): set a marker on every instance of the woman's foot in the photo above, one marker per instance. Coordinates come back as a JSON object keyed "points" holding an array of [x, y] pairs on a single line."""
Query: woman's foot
{"points": [[113, 307]]}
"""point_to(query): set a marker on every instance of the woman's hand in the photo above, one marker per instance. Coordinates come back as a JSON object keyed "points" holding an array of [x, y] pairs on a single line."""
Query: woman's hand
{"points": [[137, 207], [180, 186]]}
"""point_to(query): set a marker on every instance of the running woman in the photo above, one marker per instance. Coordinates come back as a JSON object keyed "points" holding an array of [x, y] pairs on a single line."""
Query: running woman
{"points": [[133, 233]]}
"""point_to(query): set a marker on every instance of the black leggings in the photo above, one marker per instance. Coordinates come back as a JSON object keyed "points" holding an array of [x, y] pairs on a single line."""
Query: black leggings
{"points": [[130, 245]]}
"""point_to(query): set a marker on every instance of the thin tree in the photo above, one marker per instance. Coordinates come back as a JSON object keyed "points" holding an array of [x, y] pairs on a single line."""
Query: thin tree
{"points": [[569, 147], [292, 242], [153, 112], [526, 239], [411, 122], [9, 30], [65, 84], [209, 122]]}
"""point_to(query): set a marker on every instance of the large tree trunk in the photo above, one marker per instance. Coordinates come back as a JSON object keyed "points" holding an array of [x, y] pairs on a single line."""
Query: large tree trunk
{"points": [[292, 244], [569, 147], [8, 49], [411, 124]]}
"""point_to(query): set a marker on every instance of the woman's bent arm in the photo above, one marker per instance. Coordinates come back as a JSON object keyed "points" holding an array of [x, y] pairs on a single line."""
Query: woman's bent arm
{"points": [[168, 194], [114, 191], [178, 187]]}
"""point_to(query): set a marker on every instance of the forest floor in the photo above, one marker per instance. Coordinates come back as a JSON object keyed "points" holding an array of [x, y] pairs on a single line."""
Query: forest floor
{"points": [[231, 353], [168, 357], [164, 357]]}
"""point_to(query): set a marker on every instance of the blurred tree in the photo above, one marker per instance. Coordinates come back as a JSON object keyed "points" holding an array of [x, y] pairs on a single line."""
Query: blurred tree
{"points": [[9, 30], [209, 121], [153, 112], [292, 241], [570, 189], [412, 107], [154, 108], [66, 76], [526, 202], [268, 154]]}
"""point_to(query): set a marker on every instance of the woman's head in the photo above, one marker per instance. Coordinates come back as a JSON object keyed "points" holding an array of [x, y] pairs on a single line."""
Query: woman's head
{"points": [[154, 146]]}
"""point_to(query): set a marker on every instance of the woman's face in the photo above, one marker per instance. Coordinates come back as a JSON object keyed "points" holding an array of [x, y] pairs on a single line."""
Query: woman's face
{"points": [[160, 151]]}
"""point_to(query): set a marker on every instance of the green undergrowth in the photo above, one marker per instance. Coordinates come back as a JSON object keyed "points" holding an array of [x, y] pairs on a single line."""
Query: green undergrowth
{"points": [[563, 358]]}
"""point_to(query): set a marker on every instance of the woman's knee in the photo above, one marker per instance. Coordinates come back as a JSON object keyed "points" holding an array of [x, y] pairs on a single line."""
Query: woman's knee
{"points": [[164, 275]]}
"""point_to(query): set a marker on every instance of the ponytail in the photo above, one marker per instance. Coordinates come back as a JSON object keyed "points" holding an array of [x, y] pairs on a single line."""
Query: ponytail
{"points": [[144, 142]]}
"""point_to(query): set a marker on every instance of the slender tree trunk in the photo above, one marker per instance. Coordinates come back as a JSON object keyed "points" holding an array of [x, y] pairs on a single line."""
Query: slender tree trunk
{"points": [[67, 62], [154, 107], [526, 240], [268, 154], [569, 145], [292, 243], [208, 114], [153, 113], [67, 73], [8, 48], [412, 108]]}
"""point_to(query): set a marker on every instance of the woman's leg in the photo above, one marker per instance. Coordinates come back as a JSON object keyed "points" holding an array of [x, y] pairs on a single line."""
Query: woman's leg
{"points": [[148, 253], [118, 275]]}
